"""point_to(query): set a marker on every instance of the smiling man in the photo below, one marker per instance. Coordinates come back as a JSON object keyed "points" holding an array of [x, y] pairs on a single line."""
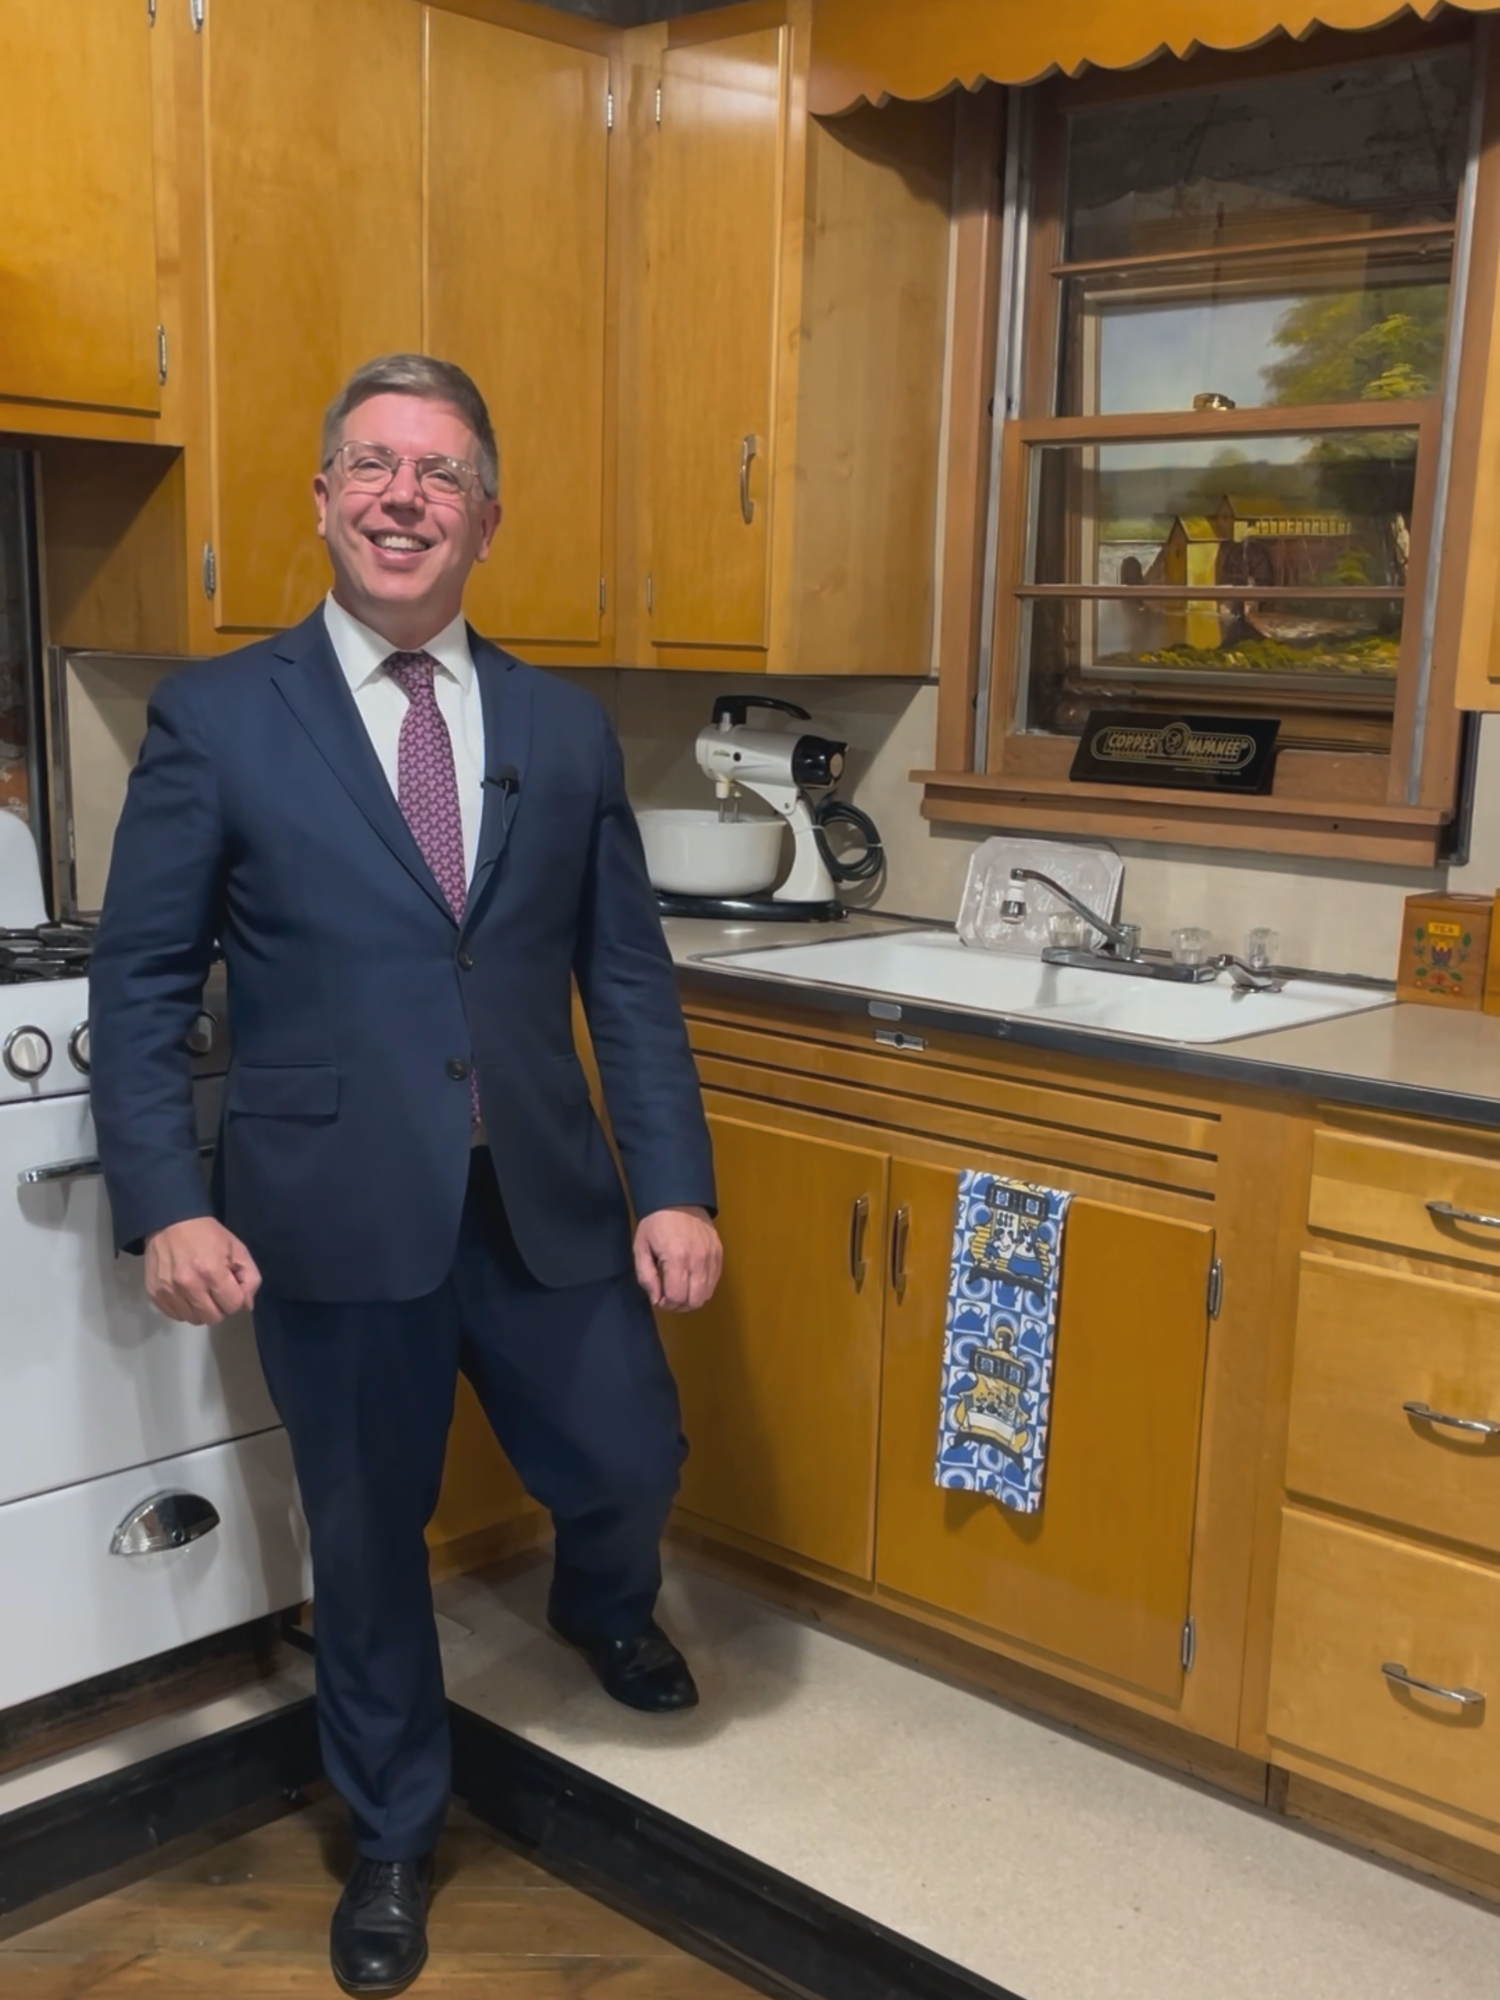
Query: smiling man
{"points": [[410, 846]]}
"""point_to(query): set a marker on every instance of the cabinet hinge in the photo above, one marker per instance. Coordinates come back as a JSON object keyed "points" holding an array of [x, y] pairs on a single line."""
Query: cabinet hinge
{"points": [[210, 570], [1189, 1645], [658, 104], [1215, 1288], [161, 355], [650, 591], [609, 111], [197, 9], [603, 596]]}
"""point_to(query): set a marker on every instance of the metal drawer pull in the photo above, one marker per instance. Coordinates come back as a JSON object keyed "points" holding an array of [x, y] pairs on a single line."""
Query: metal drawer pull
{"points": [[1465, 1697], [82, 1170], [1480, 1426], [900, 1235], [165, 1521], [1446, 1212], [859, 1222], [748, 450]]}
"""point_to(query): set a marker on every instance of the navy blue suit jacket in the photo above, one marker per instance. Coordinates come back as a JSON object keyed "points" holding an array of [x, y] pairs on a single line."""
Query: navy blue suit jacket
{"points": [[259, 818]]}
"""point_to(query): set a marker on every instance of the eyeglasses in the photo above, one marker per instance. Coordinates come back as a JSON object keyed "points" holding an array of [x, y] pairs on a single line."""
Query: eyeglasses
{"points": [[372, 467]]}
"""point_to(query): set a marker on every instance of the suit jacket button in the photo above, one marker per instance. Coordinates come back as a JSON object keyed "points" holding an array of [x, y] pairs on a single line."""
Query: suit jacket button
{"points": [[457, 1068], [466, 961]]}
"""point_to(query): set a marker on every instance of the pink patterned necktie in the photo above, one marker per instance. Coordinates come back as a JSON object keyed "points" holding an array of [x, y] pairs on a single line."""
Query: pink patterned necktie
{"points": [[427, 790]]}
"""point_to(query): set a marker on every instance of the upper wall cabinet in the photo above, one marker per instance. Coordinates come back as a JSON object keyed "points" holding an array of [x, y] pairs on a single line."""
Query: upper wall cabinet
{"points": [[313, 143], [516, 272], [792, 316], [78, 266]]}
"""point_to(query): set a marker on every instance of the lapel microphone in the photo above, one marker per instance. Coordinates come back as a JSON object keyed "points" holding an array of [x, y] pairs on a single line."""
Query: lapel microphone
{"points": [[508, 778]]}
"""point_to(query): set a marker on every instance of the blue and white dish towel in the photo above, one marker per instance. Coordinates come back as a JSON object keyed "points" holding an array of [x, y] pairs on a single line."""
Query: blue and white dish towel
{"points": [[1001, 1336]]}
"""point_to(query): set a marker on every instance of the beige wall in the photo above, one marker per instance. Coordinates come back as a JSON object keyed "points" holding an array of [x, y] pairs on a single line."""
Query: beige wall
{"points": [[1343, 918]]}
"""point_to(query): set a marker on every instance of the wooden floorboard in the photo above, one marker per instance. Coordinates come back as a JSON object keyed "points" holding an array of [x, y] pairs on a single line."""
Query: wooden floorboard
{"points": [[247, 1919]]}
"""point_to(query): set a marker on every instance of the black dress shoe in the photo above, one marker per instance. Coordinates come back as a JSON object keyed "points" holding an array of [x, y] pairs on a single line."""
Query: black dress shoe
{"points": [[645, 1671], [378, 1941]]}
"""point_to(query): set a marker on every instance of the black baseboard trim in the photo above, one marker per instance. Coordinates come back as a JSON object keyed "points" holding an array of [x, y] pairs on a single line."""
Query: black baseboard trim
{"points": [[90, 1828], [721, 1904]]}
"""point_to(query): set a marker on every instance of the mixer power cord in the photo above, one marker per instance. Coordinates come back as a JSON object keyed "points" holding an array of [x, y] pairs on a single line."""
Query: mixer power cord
{"points": [[865, 864]]}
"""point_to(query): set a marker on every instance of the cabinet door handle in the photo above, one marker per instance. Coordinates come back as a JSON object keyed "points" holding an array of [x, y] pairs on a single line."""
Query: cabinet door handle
{"points": [[1465, 1697], [164, 1521], [900, 1235], [1480, 1426], [859, 1222], [1446, 1212], [749, 447]]}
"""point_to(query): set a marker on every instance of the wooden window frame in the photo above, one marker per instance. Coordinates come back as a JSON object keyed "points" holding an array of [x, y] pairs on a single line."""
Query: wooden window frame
{"points": [[1393, 807]]}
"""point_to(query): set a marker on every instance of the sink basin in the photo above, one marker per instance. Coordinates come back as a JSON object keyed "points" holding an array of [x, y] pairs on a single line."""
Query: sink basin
{"points": [[936, 967]]}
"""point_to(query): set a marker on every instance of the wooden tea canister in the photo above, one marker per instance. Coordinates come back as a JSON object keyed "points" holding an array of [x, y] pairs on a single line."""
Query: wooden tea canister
{"points": [[1445, 948]]}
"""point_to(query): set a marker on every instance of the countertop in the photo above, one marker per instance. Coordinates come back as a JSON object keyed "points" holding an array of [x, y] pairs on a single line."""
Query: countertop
{"points": [[1429, 1062]]}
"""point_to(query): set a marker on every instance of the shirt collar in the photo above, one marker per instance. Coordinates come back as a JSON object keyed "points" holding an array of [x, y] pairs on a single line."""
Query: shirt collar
{"points": [[362, 653]]}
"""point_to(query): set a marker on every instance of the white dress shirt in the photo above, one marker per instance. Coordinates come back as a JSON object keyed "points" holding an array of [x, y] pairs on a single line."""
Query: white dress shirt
{"points": [[382, 705]]}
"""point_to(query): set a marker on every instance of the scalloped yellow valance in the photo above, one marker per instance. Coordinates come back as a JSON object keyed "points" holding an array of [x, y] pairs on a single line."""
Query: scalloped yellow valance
{"points": [[875, 49]]}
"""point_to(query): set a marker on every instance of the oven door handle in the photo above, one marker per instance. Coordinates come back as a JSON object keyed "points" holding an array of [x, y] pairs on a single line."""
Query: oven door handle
{"points": [[82, 1170]]}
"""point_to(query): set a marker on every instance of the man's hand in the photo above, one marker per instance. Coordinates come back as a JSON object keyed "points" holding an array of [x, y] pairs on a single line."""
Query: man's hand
{"points": [[197, 1272], [678, 1258]]}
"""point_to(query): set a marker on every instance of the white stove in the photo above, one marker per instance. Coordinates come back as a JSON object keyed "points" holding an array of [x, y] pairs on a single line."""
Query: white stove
{"points": [[146, 1488]]}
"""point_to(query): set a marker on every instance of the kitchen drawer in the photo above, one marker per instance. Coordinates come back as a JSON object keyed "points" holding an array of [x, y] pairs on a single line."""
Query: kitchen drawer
{"points": [[73, 1609], [1349, 1600], [94, 1379], [1369, 1342], [1384, 1191]]}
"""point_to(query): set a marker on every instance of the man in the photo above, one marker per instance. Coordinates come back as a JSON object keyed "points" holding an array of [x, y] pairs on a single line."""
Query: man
{"points": [[409, 846]]}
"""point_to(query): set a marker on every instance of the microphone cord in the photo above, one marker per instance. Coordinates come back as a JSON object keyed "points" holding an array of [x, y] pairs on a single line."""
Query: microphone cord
{"points": [[864, 865]]}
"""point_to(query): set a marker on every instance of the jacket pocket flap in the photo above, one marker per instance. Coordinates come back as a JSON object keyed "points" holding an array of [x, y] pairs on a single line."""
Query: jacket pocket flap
{"points": [[285, 1090]]}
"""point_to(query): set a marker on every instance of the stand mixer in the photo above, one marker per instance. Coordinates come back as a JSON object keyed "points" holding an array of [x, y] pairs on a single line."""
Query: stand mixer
{"points": [[783, 768]]}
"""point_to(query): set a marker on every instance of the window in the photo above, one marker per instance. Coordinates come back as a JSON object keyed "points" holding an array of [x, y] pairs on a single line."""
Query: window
{"points": [[1234, 337]]}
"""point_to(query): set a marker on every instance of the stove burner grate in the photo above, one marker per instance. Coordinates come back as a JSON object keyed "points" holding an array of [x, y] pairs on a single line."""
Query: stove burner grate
{"points": [[50, 951]]}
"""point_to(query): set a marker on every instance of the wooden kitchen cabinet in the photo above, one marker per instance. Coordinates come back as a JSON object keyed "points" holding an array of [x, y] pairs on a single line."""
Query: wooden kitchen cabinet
{"points": [[1100, 1575], [517, 276], [780, 1375], [312, 124], [1388, 1567], [792, 313], [78, 252]]}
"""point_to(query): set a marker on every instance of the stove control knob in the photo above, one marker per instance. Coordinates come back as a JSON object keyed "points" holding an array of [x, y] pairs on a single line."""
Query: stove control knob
{"points": [[78, 1047], [203, 1036], [26, 1053]]}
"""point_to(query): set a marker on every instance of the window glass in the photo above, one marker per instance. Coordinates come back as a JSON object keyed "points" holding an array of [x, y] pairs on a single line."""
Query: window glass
{"points": [[1325, 153], [1269, 566]]}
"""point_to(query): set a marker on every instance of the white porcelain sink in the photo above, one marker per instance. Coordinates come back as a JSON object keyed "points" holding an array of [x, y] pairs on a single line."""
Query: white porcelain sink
{"points": [[936, 967]]}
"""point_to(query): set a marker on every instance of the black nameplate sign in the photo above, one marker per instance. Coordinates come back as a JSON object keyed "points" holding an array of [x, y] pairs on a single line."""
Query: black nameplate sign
{"points": [[1190, 753]]}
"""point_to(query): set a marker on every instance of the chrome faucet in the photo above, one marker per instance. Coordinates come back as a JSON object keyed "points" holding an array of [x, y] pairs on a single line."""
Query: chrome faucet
{"points": [[1123, 940], [1121, 949]]}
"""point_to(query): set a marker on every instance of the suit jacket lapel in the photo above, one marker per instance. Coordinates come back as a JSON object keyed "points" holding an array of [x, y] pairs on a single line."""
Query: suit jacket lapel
{"points": [[506, 700], [312, 684]]}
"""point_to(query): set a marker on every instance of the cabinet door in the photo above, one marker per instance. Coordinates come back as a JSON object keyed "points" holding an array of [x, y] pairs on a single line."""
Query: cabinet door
{"points": [[517, 204], [314, 214], [1100, 1575], [715, 236], [78, 307], [780, 1375]]}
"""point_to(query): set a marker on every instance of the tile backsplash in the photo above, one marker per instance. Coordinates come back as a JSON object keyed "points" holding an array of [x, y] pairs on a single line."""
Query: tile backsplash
{"points": [[1343, 917]]}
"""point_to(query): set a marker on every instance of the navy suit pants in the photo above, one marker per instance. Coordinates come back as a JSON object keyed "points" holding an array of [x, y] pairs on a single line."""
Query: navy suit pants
{"points": [[577, 1389]]}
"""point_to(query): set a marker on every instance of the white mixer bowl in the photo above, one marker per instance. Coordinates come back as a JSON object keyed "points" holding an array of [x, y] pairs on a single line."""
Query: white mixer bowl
{"points": [[693, 852]]}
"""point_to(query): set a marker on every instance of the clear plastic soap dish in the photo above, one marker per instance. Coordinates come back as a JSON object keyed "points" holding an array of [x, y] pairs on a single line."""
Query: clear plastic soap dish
{"points": [[1094, 874]]}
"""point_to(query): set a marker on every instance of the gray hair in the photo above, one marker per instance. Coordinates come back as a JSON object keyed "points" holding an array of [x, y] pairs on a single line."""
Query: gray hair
{"points": [[435, 382]]}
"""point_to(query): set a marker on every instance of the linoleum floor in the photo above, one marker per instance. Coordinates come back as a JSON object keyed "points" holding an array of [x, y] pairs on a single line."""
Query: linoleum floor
{"points": [[1056, 1868]]}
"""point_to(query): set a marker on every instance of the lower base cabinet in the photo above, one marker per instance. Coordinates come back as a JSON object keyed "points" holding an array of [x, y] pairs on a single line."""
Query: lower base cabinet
{"points": [[780, 1375], [1387, 1662], [1100, 1575], [811, 1385]]}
